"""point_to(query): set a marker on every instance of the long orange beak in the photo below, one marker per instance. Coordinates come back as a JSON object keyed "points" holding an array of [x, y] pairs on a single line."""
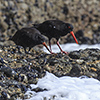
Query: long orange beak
{"points": [[74, 37]]}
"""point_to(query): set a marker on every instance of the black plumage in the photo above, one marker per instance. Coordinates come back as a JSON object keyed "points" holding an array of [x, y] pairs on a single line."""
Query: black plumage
{"points": [[55, 29], [28, 37]]}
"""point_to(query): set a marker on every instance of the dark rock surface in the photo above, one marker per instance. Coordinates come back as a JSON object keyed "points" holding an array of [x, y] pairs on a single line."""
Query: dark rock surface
{"points": [[18, 70]]}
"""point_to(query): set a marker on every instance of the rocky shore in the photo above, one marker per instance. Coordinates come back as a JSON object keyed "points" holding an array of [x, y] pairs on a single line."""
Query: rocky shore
{"points": [[18, 70]]}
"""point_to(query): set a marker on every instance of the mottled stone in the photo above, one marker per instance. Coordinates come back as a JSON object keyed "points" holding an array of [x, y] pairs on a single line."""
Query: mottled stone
{"points": [[18, 70]]}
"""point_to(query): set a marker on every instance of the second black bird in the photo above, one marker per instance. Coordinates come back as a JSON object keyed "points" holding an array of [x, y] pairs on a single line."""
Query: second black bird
{"points": [[28, 37]]}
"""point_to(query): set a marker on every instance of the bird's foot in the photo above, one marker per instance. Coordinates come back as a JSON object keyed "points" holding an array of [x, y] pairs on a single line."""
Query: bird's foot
{"points": [[64, 52], [52, 53]]}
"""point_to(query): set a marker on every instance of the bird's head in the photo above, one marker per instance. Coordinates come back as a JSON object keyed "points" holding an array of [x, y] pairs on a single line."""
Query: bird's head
{"points": [[70, 28], [40, 38]]}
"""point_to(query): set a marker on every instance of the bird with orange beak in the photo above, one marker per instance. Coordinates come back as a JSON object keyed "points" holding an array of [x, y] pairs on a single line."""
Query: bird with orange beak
{"points": [[55, 29]]}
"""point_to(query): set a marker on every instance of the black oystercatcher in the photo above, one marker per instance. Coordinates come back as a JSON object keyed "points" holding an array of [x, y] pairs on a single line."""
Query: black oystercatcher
{"points": [[29, 37], [55, 29]]}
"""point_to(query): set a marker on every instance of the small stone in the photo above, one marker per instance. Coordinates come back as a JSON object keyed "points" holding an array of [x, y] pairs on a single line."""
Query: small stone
{"points": [[79, 61], [24, 6], [24, 78]]}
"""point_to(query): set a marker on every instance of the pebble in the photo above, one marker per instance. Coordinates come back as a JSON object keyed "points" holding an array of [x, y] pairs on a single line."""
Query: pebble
{"points": [[18, 70], [79, 61]]}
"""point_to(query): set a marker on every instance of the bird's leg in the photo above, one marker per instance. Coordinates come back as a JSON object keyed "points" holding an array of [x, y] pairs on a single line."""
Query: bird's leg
{"points": [[61, 49], [47, 48], [50, 46]]}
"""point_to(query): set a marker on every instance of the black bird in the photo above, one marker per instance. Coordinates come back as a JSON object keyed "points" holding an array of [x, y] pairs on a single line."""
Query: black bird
{"points": [[28, 37], [55, 29]]}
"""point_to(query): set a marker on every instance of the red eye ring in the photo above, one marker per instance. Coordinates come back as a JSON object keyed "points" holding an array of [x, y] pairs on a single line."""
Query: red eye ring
{"points": [[68, 26]]}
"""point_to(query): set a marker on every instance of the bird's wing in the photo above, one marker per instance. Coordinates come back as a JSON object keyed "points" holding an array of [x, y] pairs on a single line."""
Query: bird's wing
{"points": [[48, 26], [54, 24]]}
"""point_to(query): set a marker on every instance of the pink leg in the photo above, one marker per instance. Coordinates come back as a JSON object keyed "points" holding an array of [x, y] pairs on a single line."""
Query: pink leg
{"points": [[61, 49], [47, 48]]}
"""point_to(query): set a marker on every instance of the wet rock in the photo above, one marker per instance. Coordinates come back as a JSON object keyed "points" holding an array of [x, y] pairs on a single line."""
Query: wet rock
{"points": [[8, 71], [96, 38], [24, 6], [1, 84], [79, 61], [38, 89], [4, 95], [23, 88], [18, 70], [75, 55]]}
